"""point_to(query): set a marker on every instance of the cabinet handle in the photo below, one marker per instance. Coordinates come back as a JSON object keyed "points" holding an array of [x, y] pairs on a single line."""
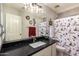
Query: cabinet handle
{"points": [[20, 34]]}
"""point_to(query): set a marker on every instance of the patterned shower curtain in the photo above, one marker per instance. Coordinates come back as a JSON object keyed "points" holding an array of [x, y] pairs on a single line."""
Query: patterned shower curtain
{"points": [[43, 29], [67, 32]]}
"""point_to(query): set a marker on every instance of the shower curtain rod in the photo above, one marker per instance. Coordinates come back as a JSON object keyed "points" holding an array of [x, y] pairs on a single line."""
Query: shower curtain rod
{"points": [[67, 16]]}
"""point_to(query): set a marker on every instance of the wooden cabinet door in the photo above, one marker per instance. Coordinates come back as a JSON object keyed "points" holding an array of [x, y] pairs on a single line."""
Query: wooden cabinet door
{"points": [[53, 49], [44, 52]]}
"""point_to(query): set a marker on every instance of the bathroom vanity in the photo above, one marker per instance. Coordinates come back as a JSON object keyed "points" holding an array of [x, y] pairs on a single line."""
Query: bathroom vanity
{"points": [[22, 48], [48, 51]]}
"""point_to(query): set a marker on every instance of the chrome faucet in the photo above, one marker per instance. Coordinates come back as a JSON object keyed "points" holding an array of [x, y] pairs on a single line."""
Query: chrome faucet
{"points": [[34, 39]]}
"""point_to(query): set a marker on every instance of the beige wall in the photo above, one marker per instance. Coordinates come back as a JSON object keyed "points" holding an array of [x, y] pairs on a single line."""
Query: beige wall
{"points": [[50, 13], [9, 9], [71, 12]]}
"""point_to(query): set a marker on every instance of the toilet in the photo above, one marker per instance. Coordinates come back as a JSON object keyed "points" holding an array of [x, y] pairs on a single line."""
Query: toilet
{"points": [[60, 50]]}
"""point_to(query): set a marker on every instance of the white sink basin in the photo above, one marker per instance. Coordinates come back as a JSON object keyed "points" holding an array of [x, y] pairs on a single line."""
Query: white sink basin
{"points": [[37, 44]]}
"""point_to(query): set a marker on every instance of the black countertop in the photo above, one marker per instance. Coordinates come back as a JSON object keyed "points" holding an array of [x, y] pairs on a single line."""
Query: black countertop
{"points": [[22, 48]]}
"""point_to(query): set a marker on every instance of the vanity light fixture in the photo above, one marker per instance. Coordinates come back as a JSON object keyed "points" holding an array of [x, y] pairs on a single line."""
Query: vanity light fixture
{"points": [[33, 8]]}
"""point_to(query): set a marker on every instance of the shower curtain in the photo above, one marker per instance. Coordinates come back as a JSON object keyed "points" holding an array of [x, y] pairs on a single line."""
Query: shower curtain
{"points": [[43, 31], [67, 33]]}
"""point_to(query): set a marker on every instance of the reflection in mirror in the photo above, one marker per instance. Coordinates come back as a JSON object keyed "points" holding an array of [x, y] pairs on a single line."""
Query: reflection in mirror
{"points": [[16, 25]]}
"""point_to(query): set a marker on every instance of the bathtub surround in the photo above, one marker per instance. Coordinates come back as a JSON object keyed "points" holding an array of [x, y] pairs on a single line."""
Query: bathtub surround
{"points": [[67, 32]]}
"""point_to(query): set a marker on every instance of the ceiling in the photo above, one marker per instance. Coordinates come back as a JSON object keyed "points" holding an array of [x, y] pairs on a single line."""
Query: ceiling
{"points": [[57, 7], [62, 7], [18, 6]]}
